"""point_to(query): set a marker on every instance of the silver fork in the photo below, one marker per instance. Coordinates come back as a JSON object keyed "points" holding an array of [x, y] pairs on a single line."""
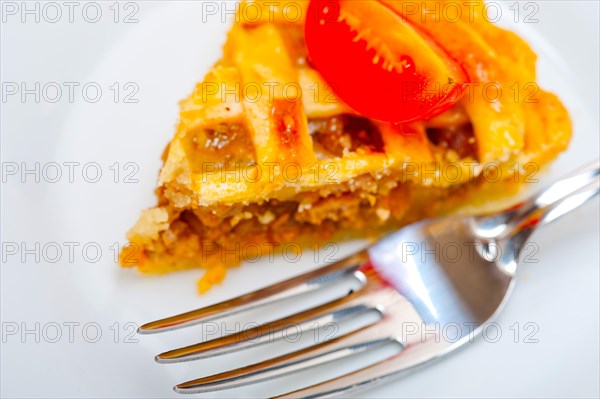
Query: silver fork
{"points": [[454, 270]]}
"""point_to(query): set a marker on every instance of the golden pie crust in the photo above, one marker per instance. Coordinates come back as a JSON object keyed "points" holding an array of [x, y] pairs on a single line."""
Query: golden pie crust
{"points": [[264, 153]]}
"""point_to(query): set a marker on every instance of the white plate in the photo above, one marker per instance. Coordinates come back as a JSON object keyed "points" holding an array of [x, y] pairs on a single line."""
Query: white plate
{"points": [[164, 54]]}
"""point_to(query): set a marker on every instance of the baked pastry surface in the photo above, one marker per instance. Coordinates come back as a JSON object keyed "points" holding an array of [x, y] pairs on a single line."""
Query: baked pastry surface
{"points": [[265, 153]]}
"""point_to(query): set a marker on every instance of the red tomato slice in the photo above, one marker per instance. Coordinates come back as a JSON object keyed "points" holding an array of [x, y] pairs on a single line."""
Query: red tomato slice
{"points": [[378, 63]]}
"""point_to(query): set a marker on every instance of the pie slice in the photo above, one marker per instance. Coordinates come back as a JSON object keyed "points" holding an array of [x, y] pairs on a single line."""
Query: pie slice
{"points": [[265, 153]]}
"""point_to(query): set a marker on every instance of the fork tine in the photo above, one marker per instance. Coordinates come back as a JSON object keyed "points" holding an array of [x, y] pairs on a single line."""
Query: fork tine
{"points": [[354, 342], [411, 356], [304, 283], [335, 311]]}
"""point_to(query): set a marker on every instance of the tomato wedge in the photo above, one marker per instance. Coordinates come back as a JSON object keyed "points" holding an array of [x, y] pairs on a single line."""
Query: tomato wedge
{"points": [[378, 63]]}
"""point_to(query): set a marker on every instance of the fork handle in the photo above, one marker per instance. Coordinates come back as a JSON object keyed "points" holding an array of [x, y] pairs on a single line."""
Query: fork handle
{"points": [[560, 198], [568, 185]]}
